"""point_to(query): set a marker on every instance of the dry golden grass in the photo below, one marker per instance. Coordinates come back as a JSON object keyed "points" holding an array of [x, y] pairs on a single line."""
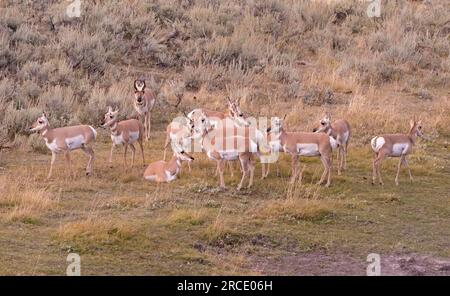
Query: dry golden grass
{"points": [[21, 201]]}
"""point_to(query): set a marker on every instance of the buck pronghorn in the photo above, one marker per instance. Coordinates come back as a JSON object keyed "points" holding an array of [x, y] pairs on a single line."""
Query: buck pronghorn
{"points": [[162, 171], [179, 134], [225, 147], [126, 132], [66, 139], [144, 100], [305, 144], [395, 145], [340, 131]]}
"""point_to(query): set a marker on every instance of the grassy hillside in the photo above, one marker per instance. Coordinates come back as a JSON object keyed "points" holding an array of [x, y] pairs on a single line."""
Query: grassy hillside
{"points": [[300, 58]]}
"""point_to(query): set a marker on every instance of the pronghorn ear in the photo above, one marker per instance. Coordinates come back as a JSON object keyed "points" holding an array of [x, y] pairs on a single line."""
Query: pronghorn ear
{"points": [[412, 122], [109, 109]]}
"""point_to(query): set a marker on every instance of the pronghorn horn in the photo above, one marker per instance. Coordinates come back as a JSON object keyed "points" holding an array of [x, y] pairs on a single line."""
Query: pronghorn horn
{"points": [[139, 85], [109, 109], [284, 117]]}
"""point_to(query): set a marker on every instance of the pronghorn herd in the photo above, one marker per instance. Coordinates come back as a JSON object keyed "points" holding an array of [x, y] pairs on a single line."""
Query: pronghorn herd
{"points": [[224, 137]]}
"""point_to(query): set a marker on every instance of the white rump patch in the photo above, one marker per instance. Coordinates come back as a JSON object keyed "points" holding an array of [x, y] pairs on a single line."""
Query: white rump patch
{"points": [[345, 139], [75, 142], [399, 149], [377, 143], [308, 149]]}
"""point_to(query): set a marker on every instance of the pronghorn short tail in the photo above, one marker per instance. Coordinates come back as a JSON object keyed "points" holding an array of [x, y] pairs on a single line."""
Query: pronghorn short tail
{"points": [[377, 143]]}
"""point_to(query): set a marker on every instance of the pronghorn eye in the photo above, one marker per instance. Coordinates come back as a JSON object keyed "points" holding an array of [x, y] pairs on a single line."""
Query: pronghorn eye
{"points": [[203, 120], [41, 122], [322, 123], [110, 116]]}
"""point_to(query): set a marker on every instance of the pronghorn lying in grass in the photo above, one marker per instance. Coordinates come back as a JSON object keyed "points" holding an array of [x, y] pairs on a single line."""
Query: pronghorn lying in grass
{"points": [[340, 131], [223, 147], [126, 132], [144, 100], [178, 133], [395, 145], [305, 144], [66, 139], [162, 171]]}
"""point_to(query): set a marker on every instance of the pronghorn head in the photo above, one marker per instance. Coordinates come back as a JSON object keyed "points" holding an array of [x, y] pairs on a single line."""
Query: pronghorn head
{"points": [[416, 128], [199, 126], [180, 153], [110, 117], [40, 123], [236, 113], [139, 91], [325, 123], [276, 124]]}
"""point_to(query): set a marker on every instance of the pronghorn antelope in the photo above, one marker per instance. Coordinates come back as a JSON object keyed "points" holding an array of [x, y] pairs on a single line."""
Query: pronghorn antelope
{"points": [[273, 140], [305, 144], [395, 145], [178, 134], [340, 131], [225, 147], [144, 100], [125, 132], [66, 139], [162, 171]]}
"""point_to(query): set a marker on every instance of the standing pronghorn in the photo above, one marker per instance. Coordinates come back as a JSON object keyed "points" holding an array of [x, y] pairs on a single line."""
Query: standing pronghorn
{"points": [[305, 144], [178, 133], [222, 148], [144, 100], [66, 139], [162, 171], [125, 132], [340, 131], [395, 145]]}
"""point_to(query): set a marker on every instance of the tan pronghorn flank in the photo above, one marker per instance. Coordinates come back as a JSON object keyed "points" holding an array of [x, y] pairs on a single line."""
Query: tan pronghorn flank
{"points": [[222, 147], [340, 130], [66, 139], [305, 144], [162, 171], [126, 132], [144, 100], [178, 134], [395, 145]]}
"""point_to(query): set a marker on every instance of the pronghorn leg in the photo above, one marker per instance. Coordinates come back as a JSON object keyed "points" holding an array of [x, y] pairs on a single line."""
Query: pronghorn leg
{"points": [[405, 163], [69, 162], [166, 144], [252, 172], [125, 150], [220, 166], [278, 169], [149, 123], [338, 159], [329, 165], [230, 166], [111, 154], [88, 151], [295, 167], [244, 165], [377, 164], [52, 162], [146, 127], [326, 165], [374, 169], [398, 169], [263, 170], [189, 166], [133, 154], [345, 155], [142, 152]]}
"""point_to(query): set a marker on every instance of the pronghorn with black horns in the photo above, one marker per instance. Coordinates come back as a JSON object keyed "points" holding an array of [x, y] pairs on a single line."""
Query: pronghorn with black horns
{"points": [[395, 145], [66, 139], [340, 130], [305, 144], [144, 100], [126, 132]]}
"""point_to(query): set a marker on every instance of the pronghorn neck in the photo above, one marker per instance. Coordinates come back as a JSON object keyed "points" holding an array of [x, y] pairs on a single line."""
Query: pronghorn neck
{"points": [[113, 128], [412, 135], [174, 164], [44, 130]]}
